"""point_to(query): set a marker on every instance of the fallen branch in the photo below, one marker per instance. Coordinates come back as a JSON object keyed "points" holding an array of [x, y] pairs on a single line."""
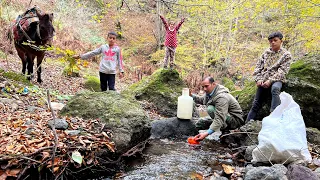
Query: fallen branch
{"points": [[54, 132], [239, 133]]}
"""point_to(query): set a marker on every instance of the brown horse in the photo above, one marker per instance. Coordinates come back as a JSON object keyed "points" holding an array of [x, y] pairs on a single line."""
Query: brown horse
{"points": [[38, 34]]}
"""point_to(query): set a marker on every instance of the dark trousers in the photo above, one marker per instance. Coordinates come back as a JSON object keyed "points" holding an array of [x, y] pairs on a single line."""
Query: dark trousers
{"points": [[107, 80], [261, 97]]}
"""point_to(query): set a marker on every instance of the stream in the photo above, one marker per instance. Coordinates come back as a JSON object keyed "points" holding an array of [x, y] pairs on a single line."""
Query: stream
{"points": [[176, 159]]}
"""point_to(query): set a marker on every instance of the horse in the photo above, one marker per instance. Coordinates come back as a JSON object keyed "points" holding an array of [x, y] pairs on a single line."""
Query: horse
{"points": [[27, 41]]}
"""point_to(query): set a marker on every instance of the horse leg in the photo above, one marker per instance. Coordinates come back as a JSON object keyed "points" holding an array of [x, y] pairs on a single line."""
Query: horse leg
{"points": [[30, 62], [23, 58], [39, 61]]}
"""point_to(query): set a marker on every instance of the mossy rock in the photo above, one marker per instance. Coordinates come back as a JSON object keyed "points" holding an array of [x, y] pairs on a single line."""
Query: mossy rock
{"points": [[246, 96], [162, 89], [15, 77], [228, 83], [304, 86], [92, 83], [124, 117]]}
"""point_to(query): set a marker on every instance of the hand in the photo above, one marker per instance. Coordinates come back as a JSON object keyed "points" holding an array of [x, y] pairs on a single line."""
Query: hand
{"points": [[121, 75], [259, 83], [201, 136], [76, 56], [266, 84]]}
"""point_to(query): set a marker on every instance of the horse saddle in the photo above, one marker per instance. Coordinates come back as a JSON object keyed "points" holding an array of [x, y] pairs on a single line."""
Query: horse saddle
{"points": [[23, 22]]}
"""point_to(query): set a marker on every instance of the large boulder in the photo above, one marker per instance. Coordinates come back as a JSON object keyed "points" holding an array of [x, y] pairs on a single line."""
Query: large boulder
{"points": [[162, 89], [304, 86], [124, 117]]}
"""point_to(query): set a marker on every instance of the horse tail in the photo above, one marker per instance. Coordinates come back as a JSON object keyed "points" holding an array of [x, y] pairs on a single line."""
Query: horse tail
{"points": [[10, 33]]}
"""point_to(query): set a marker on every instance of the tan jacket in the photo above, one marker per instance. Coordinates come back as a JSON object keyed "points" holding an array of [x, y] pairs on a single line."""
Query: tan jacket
{"points": [[224, 103], [273, 66]]}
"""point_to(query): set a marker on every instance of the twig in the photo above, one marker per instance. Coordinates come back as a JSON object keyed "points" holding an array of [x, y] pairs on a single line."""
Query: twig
{"points": [[30, 3], [23, 157], [22, 172], [239, 133], [54, 132], [27, 155]]}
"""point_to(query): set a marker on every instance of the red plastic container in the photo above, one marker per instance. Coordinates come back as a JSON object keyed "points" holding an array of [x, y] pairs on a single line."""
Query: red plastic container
{"points": [[192, 140]]}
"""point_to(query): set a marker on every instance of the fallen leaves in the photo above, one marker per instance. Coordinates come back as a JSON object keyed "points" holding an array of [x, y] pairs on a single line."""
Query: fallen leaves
{"points": [[228, 169]]}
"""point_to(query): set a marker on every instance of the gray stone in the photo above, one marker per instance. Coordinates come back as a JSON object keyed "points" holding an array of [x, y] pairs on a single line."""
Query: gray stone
{"points": [[34, 108], [313, 136], [248, 154], [218, 178], [29, 122], [123, 116], [203, 123], [60, 124], [298, 172], [276, 172], [172, 128], [72, 132], [317, 171], [29, 131]]}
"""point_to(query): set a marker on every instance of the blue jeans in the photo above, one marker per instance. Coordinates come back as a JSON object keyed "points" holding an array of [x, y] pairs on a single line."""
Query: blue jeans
{"points": [[261, 97]]}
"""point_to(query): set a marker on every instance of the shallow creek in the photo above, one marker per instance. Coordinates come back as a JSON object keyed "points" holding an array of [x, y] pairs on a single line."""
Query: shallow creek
{"points": [[176, 159]]}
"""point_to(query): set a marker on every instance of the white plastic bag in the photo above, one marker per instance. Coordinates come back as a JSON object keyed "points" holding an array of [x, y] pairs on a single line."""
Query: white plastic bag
{"points": [[283, 134]]}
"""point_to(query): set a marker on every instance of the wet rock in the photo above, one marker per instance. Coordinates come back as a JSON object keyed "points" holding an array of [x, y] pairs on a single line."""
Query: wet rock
{"points": [[226, 161], [60, 124], [172, 128], [244, 139], [72, 132], [123, 116], [313, 135], [298, 172], [248, 153], [277, 171]]}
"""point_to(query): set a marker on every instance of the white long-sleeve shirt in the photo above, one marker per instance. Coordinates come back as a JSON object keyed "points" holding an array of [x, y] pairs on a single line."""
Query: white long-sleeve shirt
{"points": [[111, 58]]}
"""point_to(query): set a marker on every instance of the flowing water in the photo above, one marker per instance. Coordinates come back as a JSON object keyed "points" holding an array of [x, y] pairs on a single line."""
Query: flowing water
{"points": [[176, 159]]}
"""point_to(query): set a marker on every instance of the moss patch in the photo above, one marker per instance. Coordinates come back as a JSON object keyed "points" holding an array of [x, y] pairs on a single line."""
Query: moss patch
{"points": [[15, 77], [246, 95], [162, 89], [92, 83]]}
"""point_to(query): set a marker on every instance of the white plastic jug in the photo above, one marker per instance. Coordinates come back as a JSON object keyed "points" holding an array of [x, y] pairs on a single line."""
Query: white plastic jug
{"points": [[185, 105]]}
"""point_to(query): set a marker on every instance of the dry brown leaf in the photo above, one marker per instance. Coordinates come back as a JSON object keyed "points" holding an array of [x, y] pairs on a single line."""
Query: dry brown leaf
{"points": [[10, 147], [12, 172], [55, 169], [87, 141], [110, 146], [105, 135], [195, 175], [228, 169], [3, 176]]}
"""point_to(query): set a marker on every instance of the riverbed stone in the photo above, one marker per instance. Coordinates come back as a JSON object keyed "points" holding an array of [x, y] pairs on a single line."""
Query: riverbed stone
{"points": [[313, 136], [173, 128], [298, 172], [275, 172], [248, 153]]}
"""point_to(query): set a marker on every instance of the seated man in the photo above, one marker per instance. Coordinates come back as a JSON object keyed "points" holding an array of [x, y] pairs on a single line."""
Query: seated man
{"points": [[222, 107], [270, 74]]}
